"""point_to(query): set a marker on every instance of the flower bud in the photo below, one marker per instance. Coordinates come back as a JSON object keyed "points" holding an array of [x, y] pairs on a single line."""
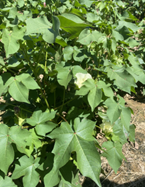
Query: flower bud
{"points": [[44, 4]]}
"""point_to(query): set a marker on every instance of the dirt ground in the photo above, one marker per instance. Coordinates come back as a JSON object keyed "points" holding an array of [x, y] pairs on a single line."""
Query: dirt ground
{"points": [[132, 171]]}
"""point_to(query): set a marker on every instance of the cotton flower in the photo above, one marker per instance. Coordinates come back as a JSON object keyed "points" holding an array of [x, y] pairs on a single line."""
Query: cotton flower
{"points": [[81, 78]]}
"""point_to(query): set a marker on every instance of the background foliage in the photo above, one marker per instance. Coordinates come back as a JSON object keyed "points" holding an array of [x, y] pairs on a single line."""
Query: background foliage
{"points": [[64, 68]]}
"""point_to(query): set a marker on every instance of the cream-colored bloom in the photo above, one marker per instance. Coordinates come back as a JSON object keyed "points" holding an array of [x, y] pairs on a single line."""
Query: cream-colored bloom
{"points": [[81, 78]]}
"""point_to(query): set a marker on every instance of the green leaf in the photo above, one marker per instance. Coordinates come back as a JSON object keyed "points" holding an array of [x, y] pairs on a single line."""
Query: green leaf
{"points": [[131, 42], [56, 25], [41, 121], [71, 26], [7, 182], [132, 133], [19, 91], [6, 149], [117, 35], [9, 80], [16, 135], [92, 17], [129, 25], [10, 39], [122, 79], [94, 97], [87, 3], [78, 69], [2, 61], [18, 87], [27, 168], [68, 51], [72, 17], [113, 45], [80, 141], [59, 40], [43, 26], [88, 85], [35, 139], [120, 132], [126, 117], [113, 111], [21, 137], [28, 81], [106, 89], [64, 76], [87, 36], [113, 154], [21, 3]]}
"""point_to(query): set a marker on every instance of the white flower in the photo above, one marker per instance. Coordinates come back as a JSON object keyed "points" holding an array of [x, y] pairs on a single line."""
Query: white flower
{"points": [[81, 78]]}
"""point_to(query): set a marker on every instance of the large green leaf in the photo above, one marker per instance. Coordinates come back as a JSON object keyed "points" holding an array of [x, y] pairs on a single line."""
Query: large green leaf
{"points": [[28, 81], [16, 135], [68, 51], [113, 154], [7, 182], [132, 133], [122, 79], [27, 168], [129, 25], [113, 111], [81, 141], [10, 39], [43, 26], [87, 36], [6, 149], [94, 97], [19, 86], [120, 132], [86, 2], [64, 76], [72, 27], [41, 121], [19, 91], [106, 89], [126, 117], [21, 137]]}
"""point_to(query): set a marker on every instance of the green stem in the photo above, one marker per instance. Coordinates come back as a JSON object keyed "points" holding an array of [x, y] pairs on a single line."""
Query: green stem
{"points": [[47, 104], [63, 118], [62, 101], [54, 98], [46, 62], [67, 102], [20, 107]]}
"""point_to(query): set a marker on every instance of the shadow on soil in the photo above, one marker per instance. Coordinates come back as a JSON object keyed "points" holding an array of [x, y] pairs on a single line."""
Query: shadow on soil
{"points": [[106, 183]]}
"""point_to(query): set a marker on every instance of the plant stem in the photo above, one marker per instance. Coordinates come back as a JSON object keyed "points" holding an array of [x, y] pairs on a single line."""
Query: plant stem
{"points": [[63, 118], [54, 98], [62, 101], [47, 104], [46, 61], [66, 102], [20, 108]]}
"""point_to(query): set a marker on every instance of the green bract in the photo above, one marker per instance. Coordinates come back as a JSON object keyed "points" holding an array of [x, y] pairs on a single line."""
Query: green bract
{"points": [[64, 69], [106, 127]]}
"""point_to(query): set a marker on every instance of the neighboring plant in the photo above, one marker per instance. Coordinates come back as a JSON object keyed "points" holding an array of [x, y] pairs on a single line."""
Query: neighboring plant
{"points": [[64, 67]]}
